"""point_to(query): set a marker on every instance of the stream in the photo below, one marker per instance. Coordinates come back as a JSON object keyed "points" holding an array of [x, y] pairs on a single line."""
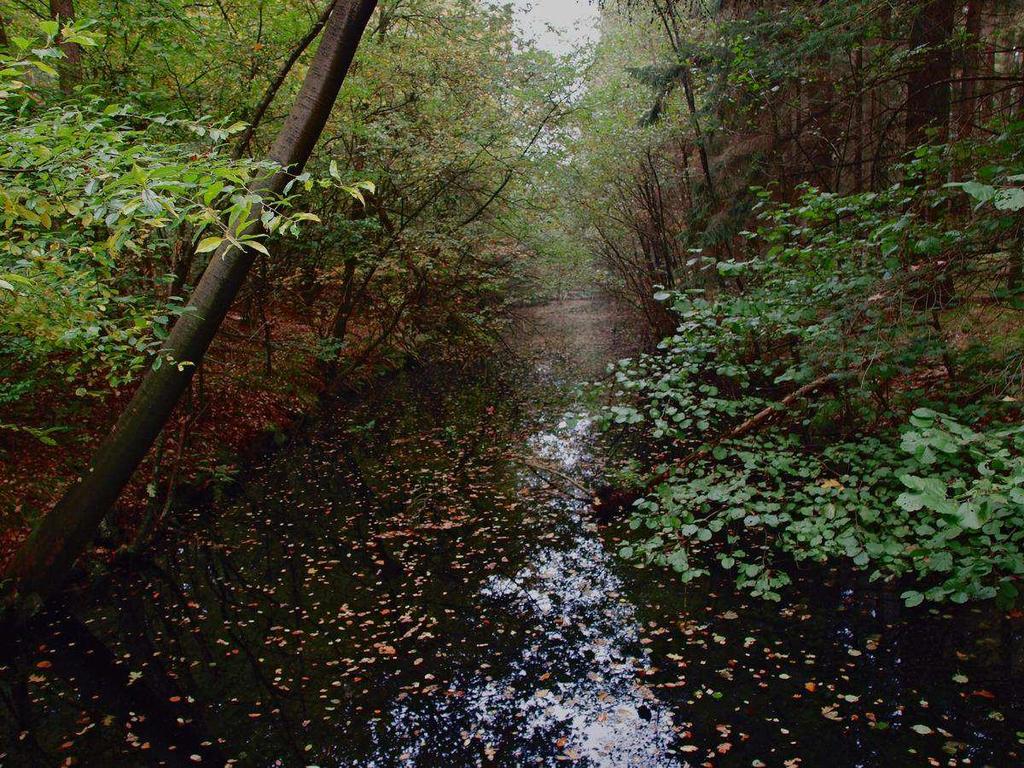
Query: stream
{"points": [[417, 580]]}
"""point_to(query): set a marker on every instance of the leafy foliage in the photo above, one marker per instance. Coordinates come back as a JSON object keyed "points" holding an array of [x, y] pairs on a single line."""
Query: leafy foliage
{"points": [[844, 294], [112, 207], [96, 199]]}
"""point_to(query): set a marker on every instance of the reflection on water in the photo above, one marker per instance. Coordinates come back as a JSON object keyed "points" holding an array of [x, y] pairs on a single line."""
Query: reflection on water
{"points": [[607, 717], [416, 582]]}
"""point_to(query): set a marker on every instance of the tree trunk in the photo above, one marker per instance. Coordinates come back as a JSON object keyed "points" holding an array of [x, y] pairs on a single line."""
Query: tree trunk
{"points": [[702, 148], [71, 67], [44, 561], [971, 69], [928, 84], [858, 121]]}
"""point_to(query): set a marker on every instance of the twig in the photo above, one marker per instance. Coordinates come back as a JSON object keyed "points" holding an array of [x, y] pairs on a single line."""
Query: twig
{"points": [[752, 424], [539, 466]]}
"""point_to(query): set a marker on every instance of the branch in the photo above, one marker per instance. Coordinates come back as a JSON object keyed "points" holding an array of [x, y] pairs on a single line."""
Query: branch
{"points": [[278, 81], [754, 423], [542, 467]]}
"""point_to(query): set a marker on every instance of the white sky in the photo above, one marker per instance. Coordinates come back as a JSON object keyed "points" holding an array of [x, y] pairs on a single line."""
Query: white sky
{"points": [[577, 19]]}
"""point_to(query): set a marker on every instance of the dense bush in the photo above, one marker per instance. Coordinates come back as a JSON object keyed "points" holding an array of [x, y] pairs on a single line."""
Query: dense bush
{"points": [[845, 300]]}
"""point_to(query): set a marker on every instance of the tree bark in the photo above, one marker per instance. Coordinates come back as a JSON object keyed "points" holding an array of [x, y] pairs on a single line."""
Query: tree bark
{"points": [[698, 133], [971, 69], [43, 562], [928, 84], [71, 68], [858, 121]]}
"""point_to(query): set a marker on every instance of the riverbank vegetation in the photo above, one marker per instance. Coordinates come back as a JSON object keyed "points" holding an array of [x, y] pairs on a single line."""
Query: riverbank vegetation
{"points": [[819, 205], [130, 142]]}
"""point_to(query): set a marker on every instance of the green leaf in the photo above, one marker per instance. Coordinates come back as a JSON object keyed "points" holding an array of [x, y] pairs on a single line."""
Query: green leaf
{"points": [[42, 67], [208, 244], [980, 192], [968, 514], [1010, 200], [212, 191], [912, 599]]}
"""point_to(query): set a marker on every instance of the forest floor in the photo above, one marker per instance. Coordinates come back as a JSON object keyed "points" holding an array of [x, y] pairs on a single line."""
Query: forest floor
{"points": [[232, 412], [418, 579]]}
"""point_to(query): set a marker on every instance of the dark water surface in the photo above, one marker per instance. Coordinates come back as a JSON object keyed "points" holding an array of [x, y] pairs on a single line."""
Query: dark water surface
{"points": [[415, 582]]}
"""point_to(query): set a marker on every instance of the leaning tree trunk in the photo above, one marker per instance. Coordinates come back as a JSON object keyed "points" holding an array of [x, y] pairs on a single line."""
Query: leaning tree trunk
{"points": [[44, 561]]}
